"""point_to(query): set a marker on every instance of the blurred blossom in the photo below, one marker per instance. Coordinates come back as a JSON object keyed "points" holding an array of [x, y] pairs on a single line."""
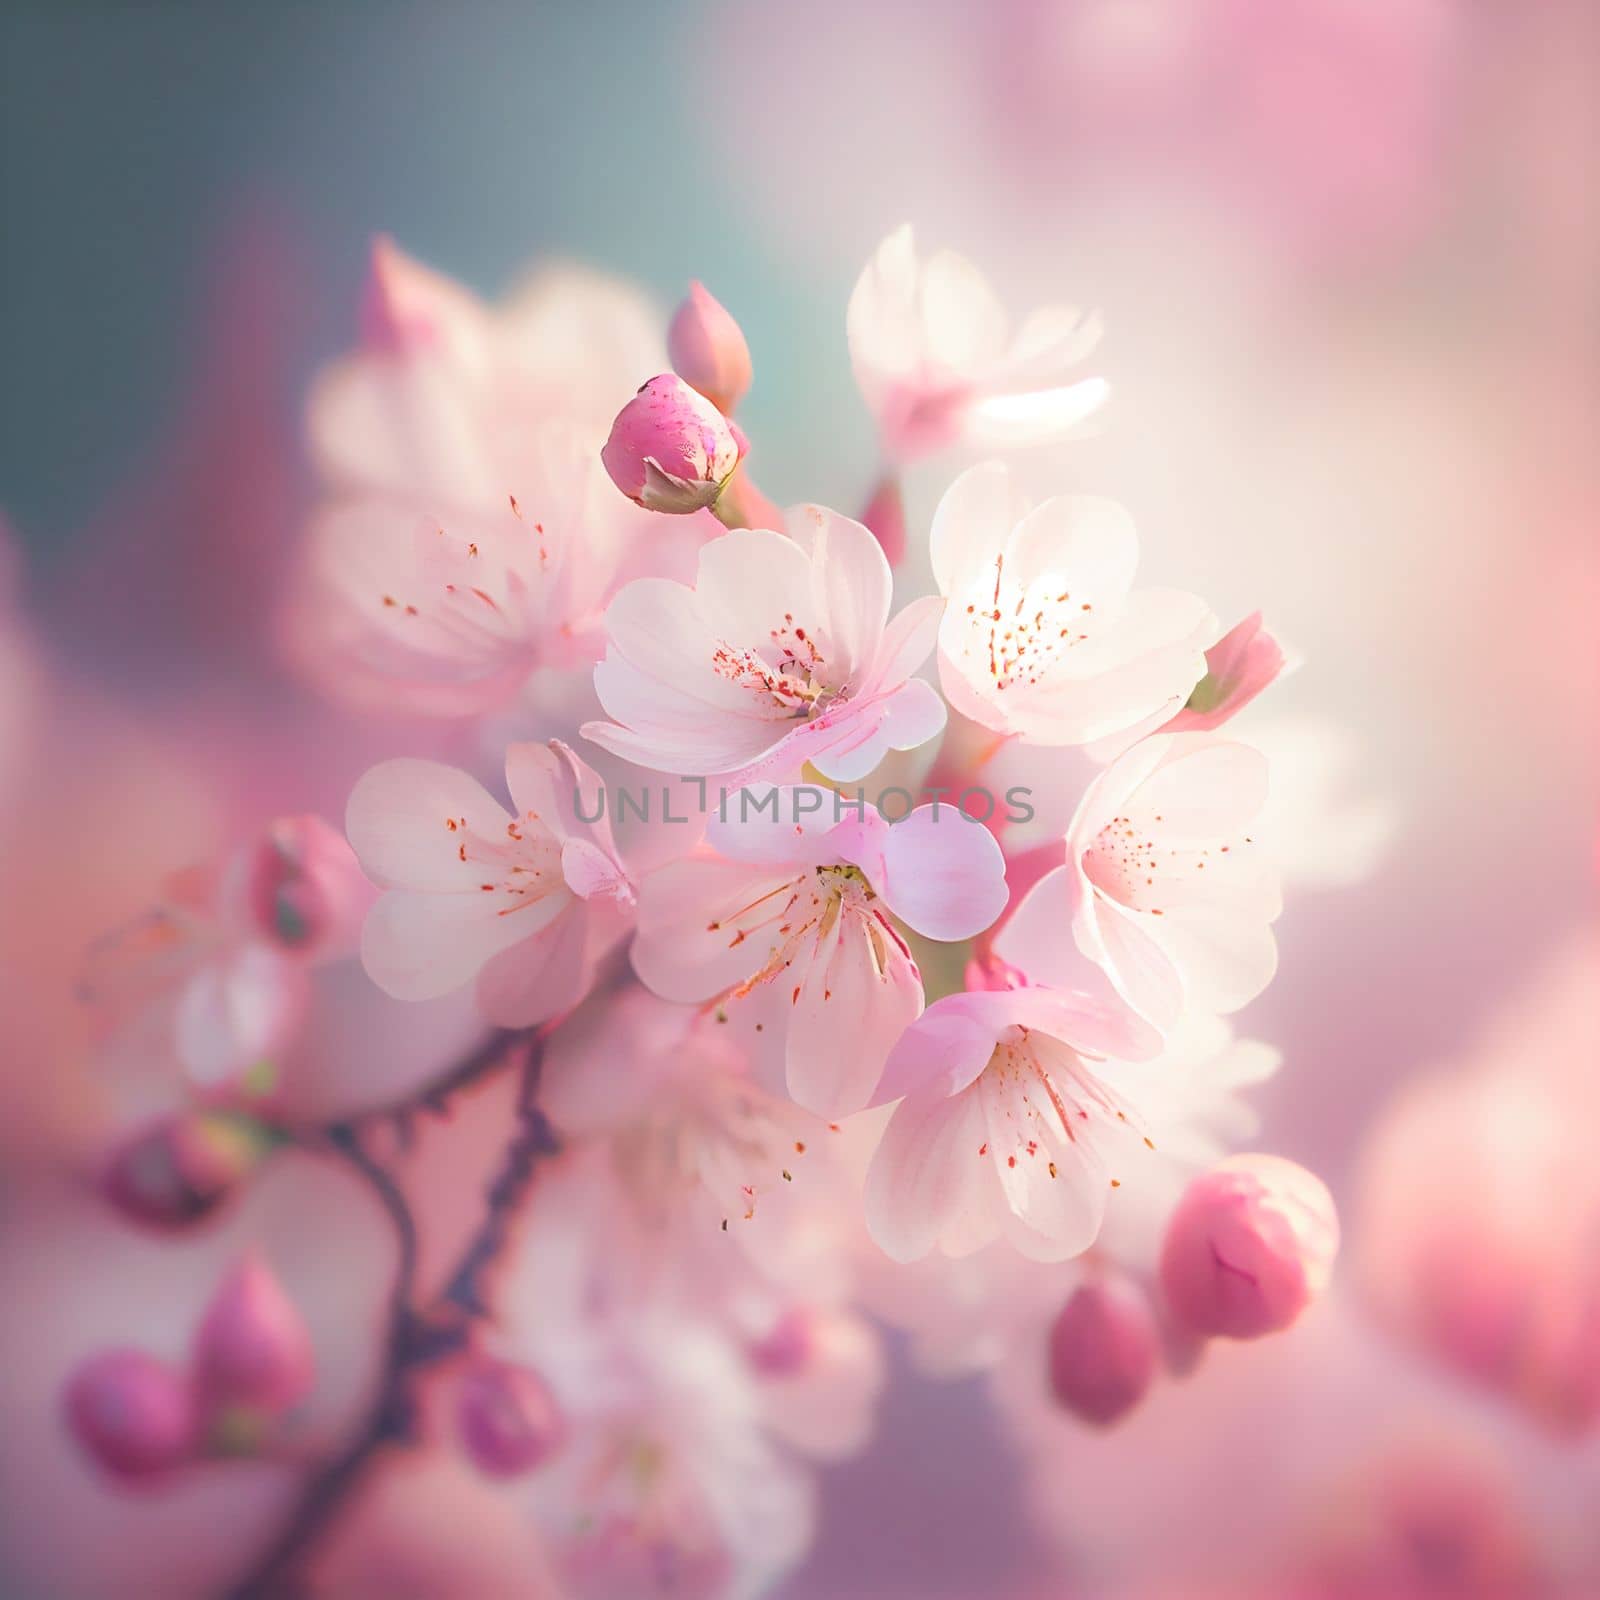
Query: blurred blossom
{"points": [[132, 1413], [937, 363], [1480, 1204]]}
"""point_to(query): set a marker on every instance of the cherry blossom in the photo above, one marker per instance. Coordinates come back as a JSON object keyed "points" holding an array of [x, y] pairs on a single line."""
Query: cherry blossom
{"points": [[1044, 636], [782, 652], [788, 897], [938, 364], [451, 611], [1163, 889], [523, 903], [1009, 1122]]}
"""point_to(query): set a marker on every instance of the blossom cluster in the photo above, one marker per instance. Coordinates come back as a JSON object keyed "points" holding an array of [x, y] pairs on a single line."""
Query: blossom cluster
{"points": [[798, 1058]]}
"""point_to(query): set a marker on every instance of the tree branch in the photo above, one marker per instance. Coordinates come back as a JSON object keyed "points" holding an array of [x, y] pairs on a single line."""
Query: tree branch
{"points": [[416, 1337]]}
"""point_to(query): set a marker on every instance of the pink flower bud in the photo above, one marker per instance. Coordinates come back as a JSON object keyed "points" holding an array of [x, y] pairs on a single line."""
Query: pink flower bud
{"points": [[708, 350], [885, 516], [1104, 1351], [786, 1348], [252, 1353], [1243, 662], [178, 1171], [670, 449], [1248, 1248], [132, 1413], [508, 1419], [300, 887]]}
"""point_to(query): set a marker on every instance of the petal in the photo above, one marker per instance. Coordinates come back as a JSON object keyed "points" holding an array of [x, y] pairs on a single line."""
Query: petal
{"points": [[1037, 937], [1139, 968], [776, 827], [416, 946], [236, 1013], [1204, 788], [1225, 961], [404, 821], [1015, 421], [1055, 1185], [924, 1180], [861, 738], [537, 978], [858, 996], [850, 588], [944, 874], [691, 916], [972, 523], [750, 581], [1085, 540], [941, 1052], [907, 642]]}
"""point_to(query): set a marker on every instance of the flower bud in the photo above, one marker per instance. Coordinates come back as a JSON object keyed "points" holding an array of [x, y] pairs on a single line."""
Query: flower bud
{"points": [[300, 887], [1104, 1351], [132, 1413], [1248, 1248], [786, 1348], [252, 1353], [670, 449], [708, 349], [178, 1171], [508, 1419], [1243, 662], [885, 518]]}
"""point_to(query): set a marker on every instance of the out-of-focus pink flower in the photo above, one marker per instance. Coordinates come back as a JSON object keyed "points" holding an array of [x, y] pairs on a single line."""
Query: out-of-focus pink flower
{"points": [[1010, 1122], [525, 902], [1480, 1203], [1163, 889], [1250, 1246], [301, 888], [132, 1413], [450, 612], [670, 449], [781, 653], [708, 349], [937, 362], [1104, 1350], [181, 1169], [508, 1420], [1044, 636], [696, 1137], [791, 898], [252, 1358]]}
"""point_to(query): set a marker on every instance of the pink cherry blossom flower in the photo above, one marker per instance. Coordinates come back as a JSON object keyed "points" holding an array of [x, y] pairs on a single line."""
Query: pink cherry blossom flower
{"points": [[696, 1137], [1012, 1122], [788, 896], [1163, 889], [451, 610], [1044, 636], [782, 652], [524, 903], [937, 362]]}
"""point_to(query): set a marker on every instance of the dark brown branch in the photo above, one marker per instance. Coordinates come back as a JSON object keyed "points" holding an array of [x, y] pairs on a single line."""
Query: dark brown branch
{"points": [[416, 1337]]}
